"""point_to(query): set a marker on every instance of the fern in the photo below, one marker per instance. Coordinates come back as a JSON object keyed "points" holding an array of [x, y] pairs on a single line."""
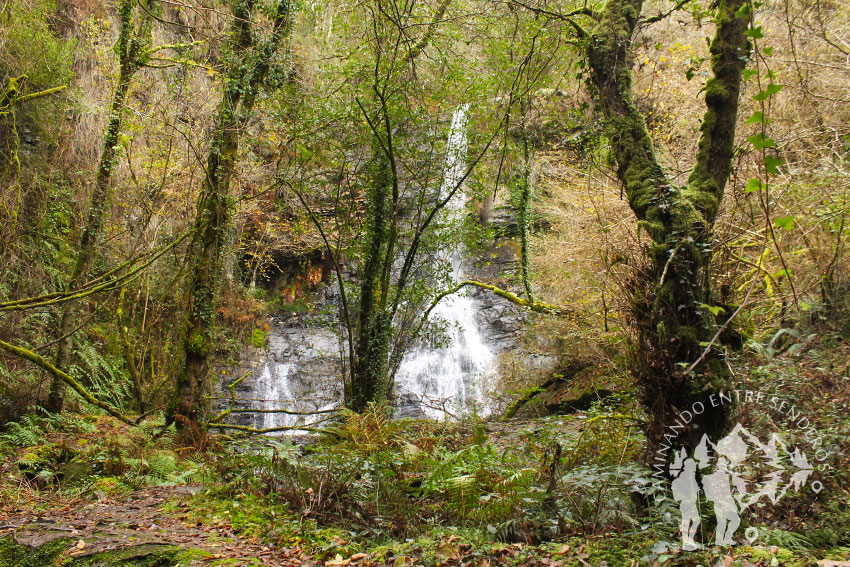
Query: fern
{"points": [[788, 540], [46, 475], [161, 466], [30, 460], [24, 433], [106, 377], [67, 423], [196, 472]]}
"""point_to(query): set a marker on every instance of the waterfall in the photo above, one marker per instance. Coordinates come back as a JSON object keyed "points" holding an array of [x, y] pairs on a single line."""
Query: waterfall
{"points": [[274, 385], [300, 371], [454, 378], [299, 374]]}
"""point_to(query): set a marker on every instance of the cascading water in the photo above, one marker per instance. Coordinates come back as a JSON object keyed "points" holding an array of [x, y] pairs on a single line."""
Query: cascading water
{"points": [[296, 375], [301, 369], [454, 378], [274, 386]]}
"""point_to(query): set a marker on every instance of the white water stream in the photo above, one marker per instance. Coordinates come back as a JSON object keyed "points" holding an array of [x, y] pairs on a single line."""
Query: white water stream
{"points": [[455, 378], [434, 381]]}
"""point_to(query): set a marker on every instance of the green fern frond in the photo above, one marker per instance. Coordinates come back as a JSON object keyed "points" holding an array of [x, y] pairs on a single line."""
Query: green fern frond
{"points": [[24, 433]]}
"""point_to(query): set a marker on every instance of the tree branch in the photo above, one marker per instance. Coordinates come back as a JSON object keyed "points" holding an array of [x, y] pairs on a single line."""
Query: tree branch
{"points": [[729, 52], [77, 387], [91, 287]]}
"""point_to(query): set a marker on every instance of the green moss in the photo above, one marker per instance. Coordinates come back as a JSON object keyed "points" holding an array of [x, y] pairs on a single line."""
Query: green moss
{"points": [[109, 485], [298, 305], [778, 556], [688, 335], [715, 91], [147, 555], [258, 338], [197, 343], [39, 456], [703, 195], [655, 230], [13, 554]]}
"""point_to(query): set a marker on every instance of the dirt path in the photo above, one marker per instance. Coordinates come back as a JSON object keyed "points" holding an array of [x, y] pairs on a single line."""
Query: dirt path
{"points": [[137, 521]]}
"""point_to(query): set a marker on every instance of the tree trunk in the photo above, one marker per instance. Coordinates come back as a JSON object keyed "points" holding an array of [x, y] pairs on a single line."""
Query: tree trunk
{"points": [[669, 302], [130, 44], [249, 67], [370, 359], [369, 369]]}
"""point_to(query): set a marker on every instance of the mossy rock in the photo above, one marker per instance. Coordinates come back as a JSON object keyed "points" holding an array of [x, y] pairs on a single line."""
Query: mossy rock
{"points": [[39, 457], [580, 403], [109, 485], [14, 554], [76, 470], [571, 390], [144, 555], [42, 462]]}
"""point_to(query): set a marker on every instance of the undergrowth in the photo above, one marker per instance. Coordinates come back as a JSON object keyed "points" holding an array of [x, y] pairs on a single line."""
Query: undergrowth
{"points": [[90, 455], [438, 493], [399, 486]]}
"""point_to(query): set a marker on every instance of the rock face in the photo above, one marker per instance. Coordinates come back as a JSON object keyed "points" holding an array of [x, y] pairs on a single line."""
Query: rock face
{"points": [[302, 366], [300, 371], [502, 320], [438, 380]]}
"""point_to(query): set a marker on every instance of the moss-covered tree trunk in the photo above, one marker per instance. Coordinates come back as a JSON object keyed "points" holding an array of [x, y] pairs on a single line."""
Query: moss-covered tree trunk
{"points": [[249, 65], [374, 325], [131, 44], [669, 302]]}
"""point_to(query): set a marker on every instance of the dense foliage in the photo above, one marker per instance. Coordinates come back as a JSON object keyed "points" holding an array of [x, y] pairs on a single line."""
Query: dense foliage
{"points": [[664, 189]]}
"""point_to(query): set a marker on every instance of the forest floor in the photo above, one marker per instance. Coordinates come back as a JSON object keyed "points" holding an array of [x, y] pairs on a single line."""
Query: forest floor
{"points": [[137, 521], [85, 490], [154, 520], [155, 527]]}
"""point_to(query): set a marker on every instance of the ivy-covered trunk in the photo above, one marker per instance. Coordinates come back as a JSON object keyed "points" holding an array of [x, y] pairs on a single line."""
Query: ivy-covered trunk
{"points": [[249, 66], [131, 45], [374, 325], [670, 301]]}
